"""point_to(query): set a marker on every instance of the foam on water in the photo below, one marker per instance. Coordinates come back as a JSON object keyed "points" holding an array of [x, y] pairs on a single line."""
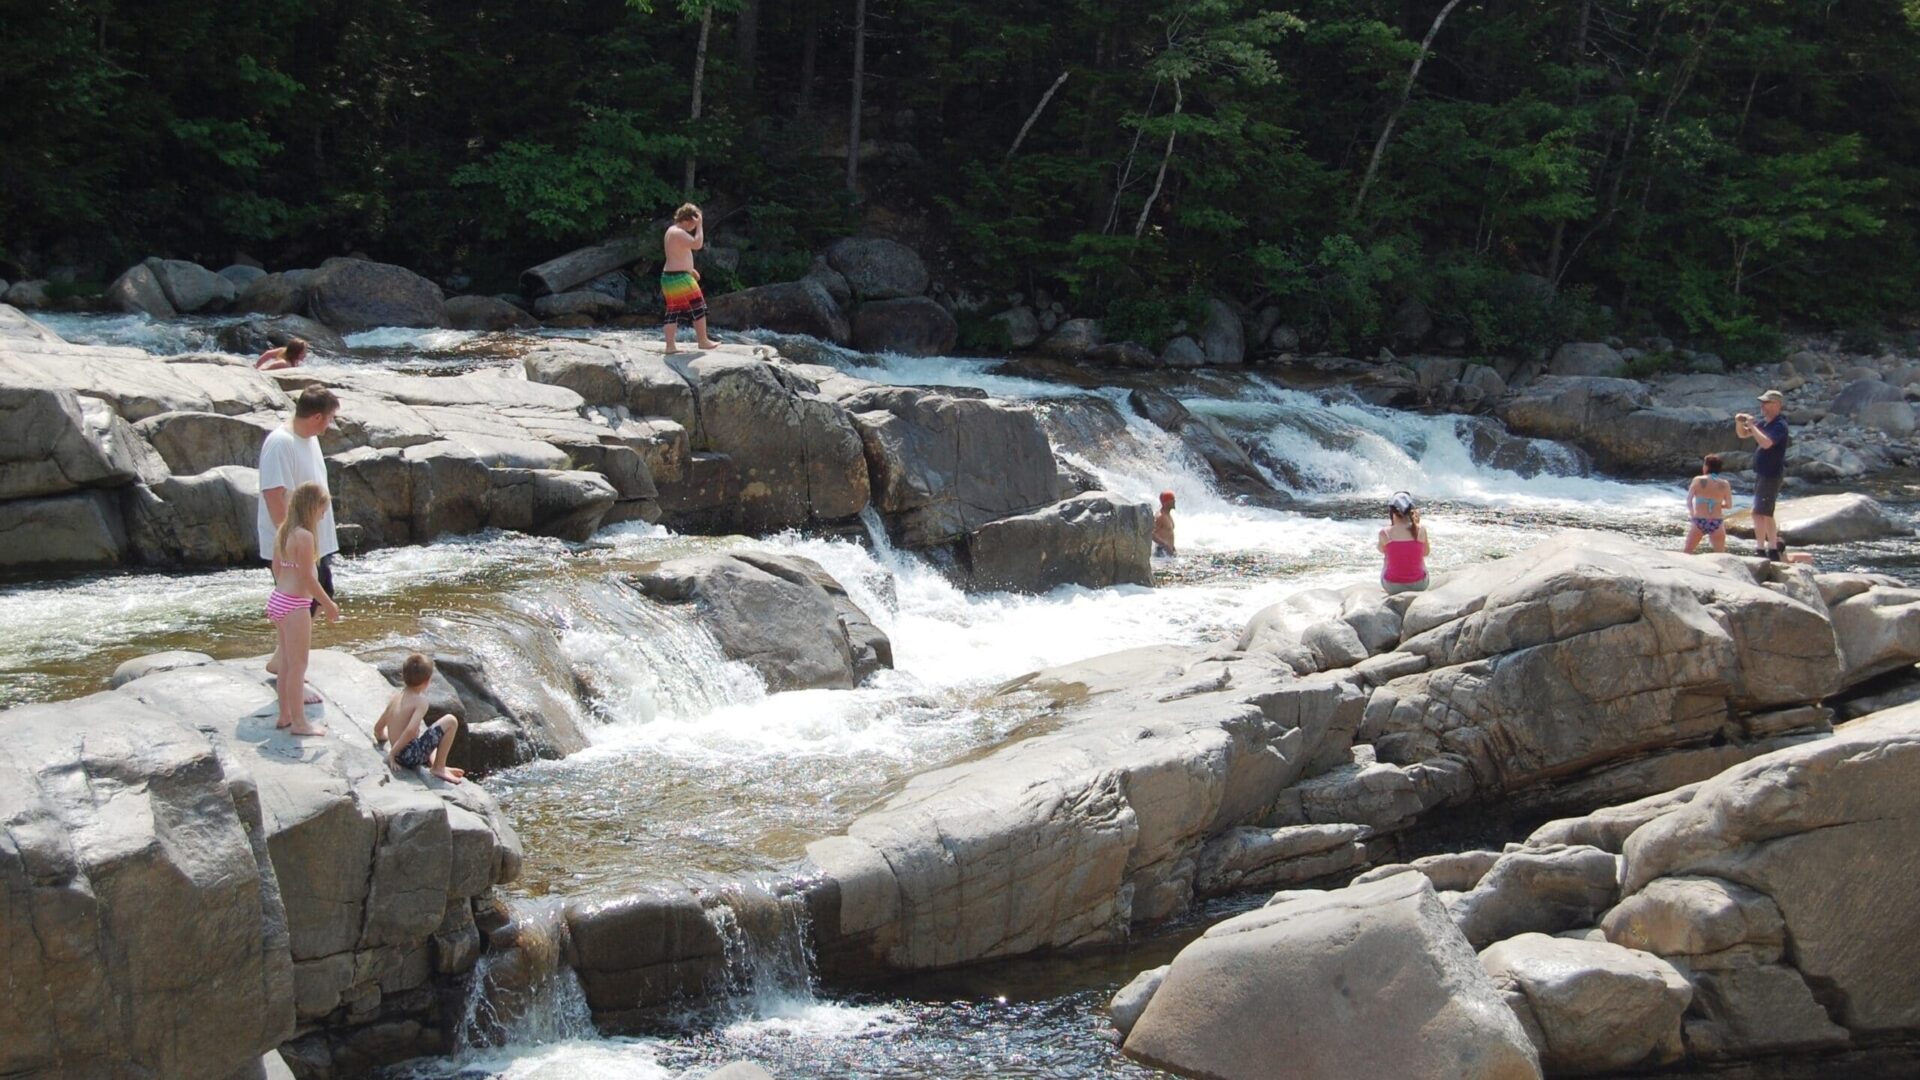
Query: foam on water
{"points": [[406, 337], [168, 337], [1344, 447]]}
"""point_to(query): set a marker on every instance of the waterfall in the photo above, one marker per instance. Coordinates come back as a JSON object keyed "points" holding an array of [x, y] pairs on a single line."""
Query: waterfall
{"points": [[523, 992], [769, 953]]}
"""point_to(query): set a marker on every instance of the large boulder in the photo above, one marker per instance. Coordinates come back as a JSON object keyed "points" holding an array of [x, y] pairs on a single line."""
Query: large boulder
{"points": [[242, 274], [189, 286], [193, 442], [314, 875], [206, 519], [1617, 421], [1810, 828], [1538, 890], [27, 294], [284, 293], [1894, 418], [942, 466], [79, 531], [407, 495], [1073, 339], [1233, 469], [357, 294], [250, 337], [783, 616], [486, 313], [798, 456], [1588, 651], [53, 440], [1878, 630], [1371, 980], [878, 269], [594, 304], [1072, 834], [1093, 540], [138, 291], [911, 326], [1827, 519], [792, 307], [1857, 395], [1590, 1006], [1023, 327], [1222, 338], [1587, 358]]}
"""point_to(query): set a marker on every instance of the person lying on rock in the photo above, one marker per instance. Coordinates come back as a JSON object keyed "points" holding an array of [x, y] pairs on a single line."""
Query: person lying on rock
{"points": [[1404, 543], [680, 282], [1163, 526], [286, 356], [1709, 497], [414, 746]]}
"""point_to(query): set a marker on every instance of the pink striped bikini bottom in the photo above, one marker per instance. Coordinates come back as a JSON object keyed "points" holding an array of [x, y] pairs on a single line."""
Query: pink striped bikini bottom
{"points": [[280, 605]]}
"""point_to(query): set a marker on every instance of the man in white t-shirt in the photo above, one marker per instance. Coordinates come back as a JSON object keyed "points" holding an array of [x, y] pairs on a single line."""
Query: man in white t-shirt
{"points": [[291, 457]]}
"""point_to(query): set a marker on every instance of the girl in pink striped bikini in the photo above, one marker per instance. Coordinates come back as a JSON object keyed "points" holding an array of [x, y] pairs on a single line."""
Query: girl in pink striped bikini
{"points": [[296, 595]]}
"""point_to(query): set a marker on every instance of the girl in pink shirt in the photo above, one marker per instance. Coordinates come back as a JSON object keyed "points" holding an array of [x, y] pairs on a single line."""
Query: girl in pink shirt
{"points": [[1404, 543]]}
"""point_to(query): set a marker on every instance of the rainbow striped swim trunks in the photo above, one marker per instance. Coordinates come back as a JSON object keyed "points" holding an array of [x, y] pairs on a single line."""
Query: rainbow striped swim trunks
{"points": [[686, 304]]}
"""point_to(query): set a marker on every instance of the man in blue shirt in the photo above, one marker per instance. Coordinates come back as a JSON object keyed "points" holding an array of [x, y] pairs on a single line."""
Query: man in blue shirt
{"points": [[1770, 436]]}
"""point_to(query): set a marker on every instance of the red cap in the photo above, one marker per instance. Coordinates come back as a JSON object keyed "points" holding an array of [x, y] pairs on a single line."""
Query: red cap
{"points": [[1166, 498]]}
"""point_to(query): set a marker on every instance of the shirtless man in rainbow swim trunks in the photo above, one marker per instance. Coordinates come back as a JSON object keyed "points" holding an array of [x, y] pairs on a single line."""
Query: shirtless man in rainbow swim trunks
{"points": [[680, 282], [1708, 498]]}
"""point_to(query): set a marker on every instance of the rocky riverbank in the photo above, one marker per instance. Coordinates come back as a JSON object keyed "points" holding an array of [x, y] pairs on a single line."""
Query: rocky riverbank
{"points": [[1582, 675], [121, 458], [191, 889]]}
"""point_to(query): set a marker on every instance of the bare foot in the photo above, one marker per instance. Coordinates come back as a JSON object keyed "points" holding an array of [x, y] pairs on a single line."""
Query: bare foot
{"points": [[284, 724], [451, 776], [709, 344], [668, 351], [304, 728]]}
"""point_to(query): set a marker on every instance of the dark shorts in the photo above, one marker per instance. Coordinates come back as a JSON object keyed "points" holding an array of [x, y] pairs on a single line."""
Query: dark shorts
{"points": [[324, 572], [1766, 492], [420, 751]]}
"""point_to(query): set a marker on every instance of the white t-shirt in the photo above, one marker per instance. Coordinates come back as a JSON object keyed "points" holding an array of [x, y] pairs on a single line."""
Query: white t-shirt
{"points": [[287, 461]]}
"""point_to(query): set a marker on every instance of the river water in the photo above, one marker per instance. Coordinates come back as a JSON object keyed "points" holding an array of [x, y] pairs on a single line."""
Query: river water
{"points": [[695, 769]]}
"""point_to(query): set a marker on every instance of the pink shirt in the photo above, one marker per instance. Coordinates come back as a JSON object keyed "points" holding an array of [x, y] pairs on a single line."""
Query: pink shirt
{"points": [[1406, 562]]}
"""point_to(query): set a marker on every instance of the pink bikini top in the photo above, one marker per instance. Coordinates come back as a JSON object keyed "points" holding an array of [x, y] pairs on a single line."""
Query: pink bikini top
{"points": [[1406, 562]]}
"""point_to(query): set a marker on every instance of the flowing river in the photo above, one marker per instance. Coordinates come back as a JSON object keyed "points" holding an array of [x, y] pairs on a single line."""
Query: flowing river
{"points": [[694, 769]]}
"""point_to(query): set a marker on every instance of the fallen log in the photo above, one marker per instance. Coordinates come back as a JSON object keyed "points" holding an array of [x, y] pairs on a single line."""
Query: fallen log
{"points": [[563, 273]]}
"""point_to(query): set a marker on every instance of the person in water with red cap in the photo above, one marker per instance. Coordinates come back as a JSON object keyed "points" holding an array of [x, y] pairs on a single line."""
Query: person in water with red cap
{"points": [[1163, 526]]}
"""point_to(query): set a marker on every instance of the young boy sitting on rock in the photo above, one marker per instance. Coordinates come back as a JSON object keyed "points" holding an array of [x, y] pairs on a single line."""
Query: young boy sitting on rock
{"points": [[401, 721]]}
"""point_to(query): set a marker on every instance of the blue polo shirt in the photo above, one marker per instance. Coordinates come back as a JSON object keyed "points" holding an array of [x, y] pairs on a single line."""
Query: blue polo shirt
{"points": [[1772, 460]]}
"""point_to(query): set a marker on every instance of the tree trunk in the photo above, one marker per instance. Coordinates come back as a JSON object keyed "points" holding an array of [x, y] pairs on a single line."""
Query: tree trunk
{"points": [[859, 79], [809, 58], [563, 273], [699, 83], [1406, 94], [1037, 109], [1125, 176], [1558, 247], [746, 42], [1140, 226]]}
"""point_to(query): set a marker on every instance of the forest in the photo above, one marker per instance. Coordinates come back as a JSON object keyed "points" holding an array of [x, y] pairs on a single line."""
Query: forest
{"points": [[1525, 169]]}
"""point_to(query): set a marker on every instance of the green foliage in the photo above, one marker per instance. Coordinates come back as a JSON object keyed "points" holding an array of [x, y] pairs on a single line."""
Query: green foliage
{"points": [[1153, 320], [982, 335], [1647, 365], [1711, 171], [603, 177]]}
